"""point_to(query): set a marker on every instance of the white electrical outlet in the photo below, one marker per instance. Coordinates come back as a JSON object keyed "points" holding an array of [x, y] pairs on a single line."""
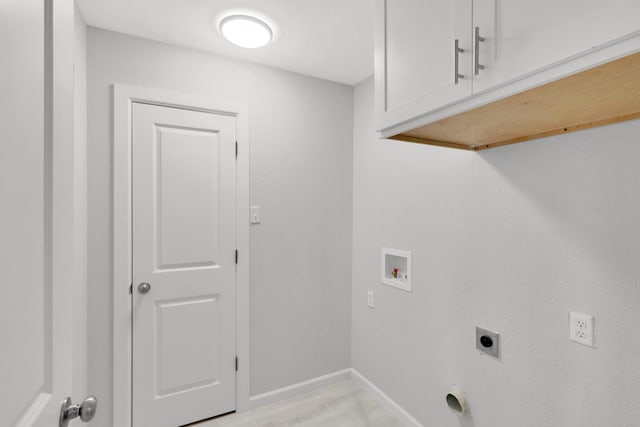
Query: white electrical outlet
{"points": [[581, 328], [370, 299]]}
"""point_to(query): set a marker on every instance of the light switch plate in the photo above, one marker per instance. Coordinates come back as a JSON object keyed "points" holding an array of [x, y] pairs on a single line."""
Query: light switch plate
{"points": [[488, 341], [255, 214]]}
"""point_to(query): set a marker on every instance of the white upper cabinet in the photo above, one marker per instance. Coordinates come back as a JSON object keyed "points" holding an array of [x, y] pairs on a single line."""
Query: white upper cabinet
{"points": [[524, 36], [505, 48], [416, 57]]}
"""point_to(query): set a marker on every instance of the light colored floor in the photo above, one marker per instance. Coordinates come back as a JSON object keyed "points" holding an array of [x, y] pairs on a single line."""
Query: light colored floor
{"points": [[343, 404]]}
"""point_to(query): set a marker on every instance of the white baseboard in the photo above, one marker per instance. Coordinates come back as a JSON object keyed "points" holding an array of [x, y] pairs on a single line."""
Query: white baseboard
{"points": [[385, 400], [299, 388]]}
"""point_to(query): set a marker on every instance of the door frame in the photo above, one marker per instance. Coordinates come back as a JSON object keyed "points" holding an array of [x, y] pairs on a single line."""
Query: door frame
{"points": [[123, 98]]}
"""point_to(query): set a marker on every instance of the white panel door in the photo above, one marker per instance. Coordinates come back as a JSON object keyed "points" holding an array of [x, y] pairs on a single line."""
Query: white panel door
{"points": [[416, 56], [184, 241], [36, 213], [523, 36]]}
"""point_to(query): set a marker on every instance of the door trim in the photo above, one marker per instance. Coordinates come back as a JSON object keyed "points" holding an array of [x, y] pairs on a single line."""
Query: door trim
{"points": [[123, 98]]}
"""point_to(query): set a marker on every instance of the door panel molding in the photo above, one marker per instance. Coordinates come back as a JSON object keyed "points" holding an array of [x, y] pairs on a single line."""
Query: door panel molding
{"points": [[123, 98], [163, 308]]}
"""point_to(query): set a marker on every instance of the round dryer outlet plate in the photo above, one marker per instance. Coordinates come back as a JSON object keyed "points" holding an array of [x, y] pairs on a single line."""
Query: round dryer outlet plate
{"points": [[488, 341]]}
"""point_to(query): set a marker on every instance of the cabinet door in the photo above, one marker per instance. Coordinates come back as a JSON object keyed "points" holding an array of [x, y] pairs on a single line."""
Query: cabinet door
{"points": [[524, 36], [416, 57]]}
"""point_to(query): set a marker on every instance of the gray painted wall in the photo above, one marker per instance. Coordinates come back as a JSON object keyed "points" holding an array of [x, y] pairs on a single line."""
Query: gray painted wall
{"points": [[301, 172], [509, 239]]}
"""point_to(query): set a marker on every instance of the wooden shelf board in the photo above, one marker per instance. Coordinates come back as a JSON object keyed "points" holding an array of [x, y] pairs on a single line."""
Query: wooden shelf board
{"points": [[602, 95]]}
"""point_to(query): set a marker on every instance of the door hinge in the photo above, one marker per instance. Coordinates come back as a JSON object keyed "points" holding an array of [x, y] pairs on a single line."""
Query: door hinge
{"points": [[131, 289], [236, 149], [236, 256], [236, 363]]}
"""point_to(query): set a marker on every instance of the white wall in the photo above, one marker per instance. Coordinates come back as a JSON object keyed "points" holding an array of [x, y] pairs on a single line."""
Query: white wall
{"points": [[80, 209], [301, 171], [509, 239]]}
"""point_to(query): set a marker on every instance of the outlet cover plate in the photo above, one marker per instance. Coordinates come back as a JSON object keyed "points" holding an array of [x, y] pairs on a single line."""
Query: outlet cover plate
{"points": [[254, 211], [488, 341], [581, 328]]}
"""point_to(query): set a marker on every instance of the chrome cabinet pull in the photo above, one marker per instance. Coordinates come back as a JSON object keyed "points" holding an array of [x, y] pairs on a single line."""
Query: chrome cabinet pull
{"points": [[478, 39], [457, 51]]}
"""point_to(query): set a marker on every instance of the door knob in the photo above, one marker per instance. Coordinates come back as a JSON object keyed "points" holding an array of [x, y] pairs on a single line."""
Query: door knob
{"points": [[86, 410], [144, 287]]}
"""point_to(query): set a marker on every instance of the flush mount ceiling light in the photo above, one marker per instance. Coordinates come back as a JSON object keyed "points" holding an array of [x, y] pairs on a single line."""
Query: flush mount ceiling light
{"points": [[246, 31]]}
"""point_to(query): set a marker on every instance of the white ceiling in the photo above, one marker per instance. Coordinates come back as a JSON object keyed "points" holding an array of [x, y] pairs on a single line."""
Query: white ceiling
{"points": [[329, 39]]}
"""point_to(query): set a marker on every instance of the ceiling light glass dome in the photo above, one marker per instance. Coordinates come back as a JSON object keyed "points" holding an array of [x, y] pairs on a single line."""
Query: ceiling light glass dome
{"points": [[246, 31]]}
